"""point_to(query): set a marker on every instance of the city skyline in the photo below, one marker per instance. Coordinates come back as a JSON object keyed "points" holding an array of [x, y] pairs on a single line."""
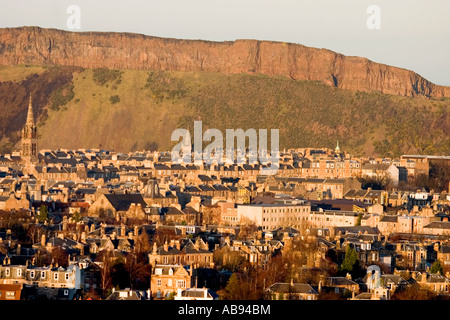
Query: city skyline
{"points": [[135, 162]]}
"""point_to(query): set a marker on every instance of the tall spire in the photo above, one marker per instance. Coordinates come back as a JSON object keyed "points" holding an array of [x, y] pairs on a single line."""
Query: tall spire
{"points": [[337, 149], [29, 137], [30, 117]]}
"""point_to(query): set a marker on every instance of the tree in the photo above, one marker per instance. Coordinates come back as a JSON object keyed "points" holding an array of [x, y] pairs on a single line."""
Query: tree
{"points": [[239, 289], [358, 222], [414, 292], [42, 216], [350, 263], [105, 273], [77, 216], [232, 288], [140, 273], [34, 233], [379, 182], [330, 296], [229, 260], [437, 267], [42, 258], [142, 246], [439, 177], [60, 256], [120, 275]]}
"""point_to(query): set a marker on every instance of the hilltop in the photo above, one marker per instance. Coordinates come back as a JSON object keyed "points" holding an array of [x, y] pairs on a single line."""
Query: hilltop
{"points": [[39, 46], [129, 92]]}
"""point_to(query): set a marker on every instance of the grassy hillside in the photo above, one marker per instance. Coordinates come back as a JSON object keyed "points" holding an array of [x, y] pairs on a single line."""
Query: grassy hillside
{"points": [[137, 109]]}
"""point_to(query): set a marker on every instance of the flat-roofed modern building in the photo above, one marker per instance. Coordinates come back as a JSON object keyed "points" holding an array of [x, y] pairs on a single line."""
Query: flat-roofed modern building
{"points": [[300, 216], [332, 218], [273, 216]]}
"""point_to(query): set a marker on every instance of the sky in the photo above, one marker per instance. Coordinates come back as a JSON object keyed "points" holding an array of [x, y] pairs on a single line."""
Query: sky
{"points": [[410, 34]]}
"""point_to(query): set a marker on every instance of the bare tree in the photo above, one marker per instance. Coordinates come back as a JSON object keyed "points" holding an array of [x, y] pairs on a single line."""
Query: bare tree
{"points": [[105, 272]]}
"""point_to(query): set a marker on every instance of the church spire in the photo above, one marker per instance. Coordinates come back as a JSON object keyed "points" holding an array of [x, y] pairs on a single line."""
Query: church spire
{"points": [[29, 137], [30, 116], [337, 149]]}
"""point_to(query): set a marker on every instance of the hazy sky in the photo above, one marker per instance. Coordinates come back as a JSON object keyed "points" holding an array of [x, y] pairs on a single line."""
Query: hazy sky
{"points": [[414, 34]]}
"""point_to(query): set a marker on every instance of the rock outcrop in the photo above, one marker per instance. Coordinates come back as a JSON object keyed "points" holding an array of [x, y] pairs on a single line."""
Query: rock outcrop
{"points": [[38, 46]]}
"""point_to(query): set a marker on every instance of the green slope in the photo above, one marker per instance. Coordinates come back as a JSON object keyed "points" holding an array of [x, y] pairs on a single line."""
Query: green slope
{"points": [[137, 109]]}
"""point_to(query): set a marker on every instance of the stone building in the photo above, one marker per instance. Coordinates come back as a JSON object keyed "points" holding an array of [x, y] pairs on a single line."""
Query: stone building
{"points": [[196, 253], [168, 278], [51, 282], [29, 151], [130, 205]]}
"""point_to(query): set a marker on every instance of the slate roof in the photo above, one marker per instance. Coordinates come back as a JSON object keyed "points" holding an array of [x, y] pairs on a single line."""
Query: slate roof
{"points": [[121, 202], [352, 193], [364, 296], [127, 294], [86, 190], [438, 224], [340, 281], [295, 288], [389, 218], [432, 278], [165, 268], [198, 293], [357, 229], [315, 180], [396, 279]]}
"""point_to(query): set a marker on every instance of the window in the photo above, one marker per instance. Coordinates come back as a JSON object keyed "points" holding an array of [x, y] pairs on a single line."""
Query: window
{"points": [[158, 283], [19, 272], [10, 294], [181, 283], [169, 282], [66, 292], [32, 274], [66, 276], [55, 276], [42, 274], [7, 272], [158, 271]]}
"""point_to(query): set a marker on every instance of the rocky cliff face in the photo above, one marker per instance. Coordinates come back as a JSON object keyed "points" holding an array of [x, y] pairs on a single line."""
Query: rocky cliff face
{"points": [[33, 45]]}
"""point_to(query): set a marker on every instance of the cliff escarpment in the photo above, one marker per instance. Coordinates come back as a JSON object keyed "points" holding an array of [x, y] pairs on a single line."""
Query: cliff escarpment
{"points": [[38, 46]]}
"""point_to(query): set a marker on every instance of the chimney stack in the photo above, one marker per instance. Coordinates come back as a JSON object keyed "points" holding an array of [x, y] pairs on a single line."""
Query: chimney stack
{"points": [[83, 237]]}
